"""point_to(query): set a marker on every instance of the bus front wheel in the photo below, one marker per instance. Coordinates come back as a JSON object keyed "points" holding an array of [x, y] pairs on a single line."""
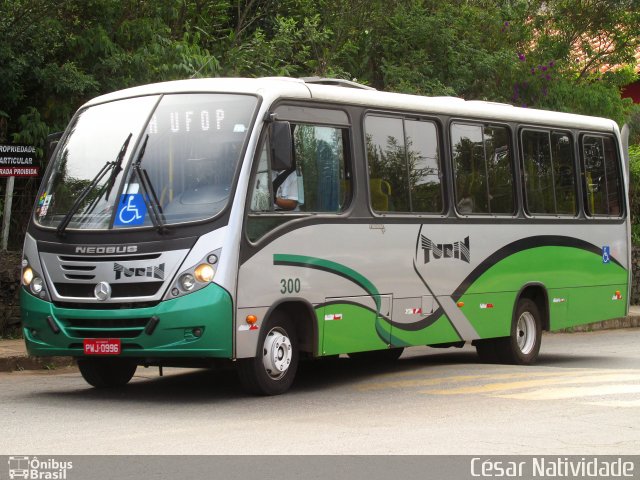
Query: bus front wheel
{"points": [[522, 346], [106, 373], [272, 370]]}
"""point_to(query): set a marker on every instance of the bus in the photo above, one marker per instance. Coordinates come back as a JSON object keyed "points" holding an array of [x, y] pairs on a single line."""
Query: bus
{"points": [[161, 235]]}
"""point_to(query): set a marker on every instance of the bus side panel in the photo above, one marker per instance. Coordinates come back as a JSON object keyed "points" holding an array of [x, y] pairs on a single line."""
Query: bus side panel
{"points": [[484, 266], [577, 281], [354, 324], [434, 330], [351, 267], [490, 313], [594, 304]]}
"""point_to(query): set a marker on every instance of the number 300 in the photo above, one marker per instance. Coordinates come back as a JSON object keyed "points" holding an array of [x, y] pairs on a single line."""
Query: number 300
{"points": [[289, 285]]}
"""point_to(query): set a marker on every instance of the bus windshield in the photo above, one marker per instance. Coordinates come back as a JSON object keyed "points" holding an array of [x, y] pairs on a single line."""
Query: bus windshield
{"points": [[189, 146]]}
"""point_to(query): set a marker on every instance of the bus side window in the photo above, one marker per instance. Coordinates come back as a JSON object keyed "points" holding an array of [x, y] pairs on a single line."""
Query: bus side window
{"points": [[319, 180], [549, 172], [482, 163], [404, 165], [322, 169], [602, 176]]}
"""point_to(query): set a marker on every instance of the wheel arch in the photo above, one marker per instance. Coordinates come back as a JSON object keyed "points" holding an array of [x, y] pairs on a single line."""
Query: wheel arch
{"points": [[537, 293], [302, 314]]}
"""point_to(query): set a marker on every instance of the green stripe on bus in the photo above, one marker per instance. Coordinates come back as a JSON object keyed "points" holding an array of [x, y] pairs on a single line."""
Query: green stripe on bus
{"points": [[331, 267]]}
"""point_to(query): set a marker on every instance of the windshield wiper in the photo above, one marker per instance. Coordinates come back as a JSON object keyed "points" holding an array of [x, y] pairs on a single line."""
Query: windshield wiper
{"points": [[117, 167], [95, 181], [150, 197]]}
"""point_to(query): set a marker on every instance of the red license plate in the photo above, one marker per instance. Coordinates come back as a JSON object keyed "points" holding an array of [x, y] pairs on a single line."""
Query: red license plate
{"points": [[102, 346]]}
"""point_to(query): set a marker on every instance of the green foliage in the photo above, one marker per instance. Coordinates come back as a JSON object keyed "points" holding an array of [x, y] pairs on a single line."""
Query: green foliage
{"points": [[634, 192], [549, 54], [56, 55]]}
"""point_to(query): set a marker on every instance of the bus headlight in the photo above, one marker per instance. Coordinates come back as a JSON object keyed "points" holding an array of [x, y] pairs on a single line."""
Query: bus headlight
{"points": [[193, 279], [27, 276], [187, 282], [37, 285], [204, 273], [32, 281]]}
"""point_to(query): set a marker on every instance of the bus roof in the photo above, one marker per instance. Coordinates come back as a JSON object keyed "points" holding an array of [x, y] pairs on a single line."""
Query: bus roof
{"points": [[273, 88]]}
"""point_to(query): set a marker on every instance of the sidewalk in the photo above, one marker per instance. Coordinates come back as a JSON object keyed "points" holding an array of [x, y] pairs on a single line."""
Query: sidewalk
{"points": [[13, 353], [13, 356]]}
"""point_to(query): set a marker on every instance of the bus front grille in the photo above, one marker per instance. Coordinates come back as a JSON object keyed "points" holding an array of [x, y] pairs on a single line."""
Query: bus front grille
{"points": [[118, 290], [104, 327]]}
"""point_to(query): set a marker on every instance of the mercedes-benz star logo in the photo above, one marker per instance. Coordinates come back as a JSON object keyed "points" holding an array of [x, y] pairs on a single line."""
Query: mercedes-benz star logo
{"points": [[102, 291]]}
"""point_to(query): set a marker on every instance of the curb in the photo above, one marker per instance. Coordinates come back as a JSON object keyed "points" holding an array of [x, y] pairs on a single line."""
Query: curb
{"points": [[25, 362], [613, 324]]}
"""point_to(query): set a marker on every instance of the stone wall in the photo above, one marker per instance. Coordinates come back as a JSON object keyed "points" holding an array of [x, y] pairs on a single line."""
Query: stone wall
{"points": [[9, 291]]}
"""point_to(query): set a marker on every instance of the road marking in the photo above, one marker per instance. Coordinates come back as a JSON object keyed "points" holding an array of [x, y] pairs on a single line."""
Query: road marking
{"points": [[574, 392], [554, 384], [616, 403], [432, 381], [561, 380]]}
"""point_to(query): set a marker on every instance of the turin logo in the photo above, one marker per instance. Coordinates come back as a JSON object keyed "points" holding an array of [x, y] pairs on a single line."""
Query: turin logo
{"points": [[459, 250], [150, 272]]}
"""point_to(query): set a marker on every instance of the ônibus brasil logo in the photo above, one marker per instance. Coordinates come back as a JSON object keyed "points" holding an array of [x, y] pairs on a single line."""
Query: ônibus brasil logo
{"points": [[33, 468], [459, 250]]}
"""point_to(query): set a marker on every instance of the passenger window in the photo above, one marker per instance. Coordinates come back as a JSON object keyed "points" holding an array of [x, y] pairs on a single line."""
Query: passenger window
{"points": [[602, 176], [483, 171], [564, 173], [404, 165], [549, 173], [319, 180], [324, 183]]}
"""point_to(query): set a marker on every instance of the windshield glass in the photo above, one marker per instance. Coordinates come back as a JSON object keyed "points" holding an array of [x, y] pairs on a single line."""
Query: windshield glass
{"points": [[95, 138], [187, 154]]}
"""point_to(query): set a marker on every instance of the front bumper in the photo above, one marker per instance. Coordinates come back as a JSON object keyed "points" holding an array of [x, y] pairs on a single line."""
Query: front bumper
{"points": [[209, 310]]}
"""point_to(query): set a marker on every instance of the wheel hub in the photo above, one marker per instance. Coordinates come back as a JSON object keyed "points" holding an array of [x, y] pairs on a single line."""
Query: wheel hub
{"points": [[277, 353], [526, 332]]}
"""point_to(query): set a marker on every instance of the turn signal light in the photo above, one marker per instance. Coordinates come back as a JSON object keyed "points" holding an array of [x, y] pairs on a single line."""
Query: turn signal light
{"points": [[460, 304], [251, 319]]}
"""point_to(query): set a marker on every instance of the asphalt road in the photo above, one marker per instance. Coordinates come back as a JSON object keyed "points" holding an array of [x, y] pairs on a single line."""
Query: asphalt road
{"points": [[583, 397]]}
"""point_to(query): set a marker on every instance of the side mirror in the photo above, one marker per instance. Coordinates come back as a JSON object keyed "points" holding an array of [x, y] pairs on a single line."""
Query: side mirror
{"points": [[51, 144], [281, 146]]}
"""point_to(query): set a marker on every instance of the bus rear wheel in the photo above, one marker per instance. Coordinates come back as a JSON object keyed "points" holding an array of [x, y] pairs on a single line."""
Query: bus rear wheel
{"points": [[522, 346], [272, 370], [106, 373]]}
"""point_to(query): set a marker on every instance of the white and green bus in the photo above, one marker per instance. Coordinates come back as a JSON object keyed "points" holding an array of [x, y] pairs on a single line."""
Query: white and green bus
{"points": [[159, 236]]}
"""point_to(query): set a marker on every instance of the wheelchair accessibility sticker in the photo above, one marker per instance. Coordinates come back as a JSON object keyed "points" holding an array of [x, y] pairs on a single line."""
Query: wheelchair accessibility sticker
{"points": [[131, 210], [606, 254]]}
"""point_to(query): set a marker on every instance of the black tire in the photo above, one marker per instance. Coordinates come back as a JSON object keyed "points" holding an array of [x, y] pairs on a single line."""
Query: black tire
{"points": [[378, 356], [106, 373], [522, 346], [273, 369]]}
